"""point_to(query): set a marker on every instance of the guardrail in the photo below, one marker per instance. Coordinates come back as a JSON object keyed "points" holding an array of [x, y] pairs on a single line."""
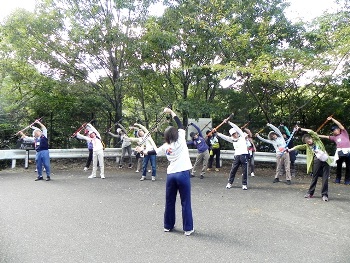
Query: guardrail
{"points": [[27, 155]]}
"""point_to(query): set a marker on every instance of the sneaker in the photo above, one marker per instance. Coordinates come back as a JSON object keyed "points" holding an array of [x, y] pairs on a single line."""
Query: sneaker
{"points": [[208, 169], [347, 183], [325, 198], [202, 176], [130, 166], [85, 169], [48, 178], [188, 233], [38, 179], [149, 171], [228, 186], [337, 181], [137, 171], [103, 177], [192, 175], [244, 187], [252, 174], [92, 176], [153, 178], [217, 170], [142, 178], [288, 182], [276, 180], [167, 229], [308, 196], [120, 166], [35, 170]]}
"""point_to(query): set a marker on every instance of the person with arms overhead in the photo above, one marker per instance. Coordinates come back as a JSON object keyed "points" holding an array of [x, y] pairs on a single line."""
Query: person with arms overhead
{"points": [[178, 175], [317, 162], [42, 157], [342, 154]]}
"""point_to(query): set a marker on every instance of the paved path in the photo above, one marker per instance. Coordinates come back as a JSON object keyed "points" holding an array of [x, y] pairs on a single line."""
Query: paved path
{"points": [[120, 219]]}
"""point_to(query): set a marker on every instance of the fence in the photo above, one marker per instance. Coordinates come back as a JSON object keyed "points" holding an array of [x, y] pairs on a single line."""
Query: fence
{"points": [[28, 154]]}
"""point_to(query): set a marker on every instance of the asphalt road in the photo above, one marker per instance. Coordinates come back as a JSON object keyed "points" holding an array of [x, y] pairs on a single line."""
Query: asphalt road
{"points": [[120, 219]]}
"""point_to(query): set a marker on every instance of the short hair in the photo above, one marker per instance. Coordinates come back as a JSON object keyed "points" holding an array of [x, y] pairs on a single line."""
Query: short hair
{"points": [[171, 134], [305, 137]]}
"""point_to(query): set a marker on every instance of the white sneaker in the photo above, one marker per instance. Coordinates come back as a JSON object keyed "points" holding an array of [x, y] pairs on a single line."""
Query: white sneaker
{"points": [[149, 171], [153, 178], [252, 174], [103, 177], [142, 178], [244, 187], [92, 176], [188, 233], [137, 171], [167, 230], [85, 169], [228, 186]]}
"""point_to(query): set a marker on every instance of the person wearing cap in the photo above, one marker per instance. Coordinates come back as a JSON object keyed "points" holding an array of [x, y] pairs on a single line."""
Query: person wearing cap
{"points": [[214, 150], [237, 138], [97, 149], [41, 143], [126, 144], [317, 161], [275, 138], [202, 149], [342, 154]]}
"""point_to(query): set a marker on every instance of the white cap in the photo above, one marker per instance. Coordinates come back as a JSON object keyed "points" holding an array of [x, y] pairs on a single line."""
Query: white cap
{"points": [[232, 131]]}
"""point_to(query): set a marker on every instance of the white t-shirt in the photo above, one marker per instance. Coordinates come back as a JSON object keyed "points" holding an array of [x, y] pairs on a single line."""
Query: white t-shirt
{"points": [[177, 154]]}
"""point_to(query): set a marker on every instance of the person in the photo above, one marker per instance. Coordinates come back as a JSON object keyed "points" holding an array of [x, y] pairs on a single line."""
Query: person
{"points": [[89, 159], [139, 157], [251, 150], [146, 142], [126, 144], [42, 157], [317, 162], [97, 149], [275, 138], [342, 154], [214, 150], [289, 143], [178, 175], [202, 148], [237, 138]]}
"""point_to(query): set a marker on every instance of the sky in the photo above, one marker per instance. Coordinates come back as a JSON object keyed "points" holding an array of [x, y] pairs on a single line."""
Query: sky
{"points": [[304, 9]]}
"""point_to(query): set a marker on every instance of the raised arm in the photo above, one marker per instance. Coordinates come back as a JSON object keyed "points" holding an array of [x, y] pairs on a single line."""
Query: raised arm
{"points": [[336, 122], [198, 129], [122, 127], [240, 132]]}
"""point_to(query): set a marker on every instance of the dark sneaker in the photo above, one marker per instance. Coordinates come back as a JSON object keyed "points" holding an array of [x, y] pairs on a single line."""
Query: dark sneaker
{"points": [[202, 176], [38, 179], [337, 181], [48, 179], [347, 183], [308, 196], [288, 182], [120, 166], [325, 198], [276, 180], [130, 166]]}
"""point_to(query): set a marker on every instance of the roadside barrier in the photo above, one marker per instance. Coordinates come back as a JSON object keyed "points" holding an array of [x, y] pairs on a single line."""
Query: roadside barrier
{"points": [[29, 154]]}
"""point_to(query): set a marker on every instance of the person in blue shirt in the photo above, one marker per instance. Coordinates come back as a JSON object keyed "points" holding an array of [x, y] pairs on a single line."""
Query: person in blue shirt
{"points": [[41, 143], [202, 147]]}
